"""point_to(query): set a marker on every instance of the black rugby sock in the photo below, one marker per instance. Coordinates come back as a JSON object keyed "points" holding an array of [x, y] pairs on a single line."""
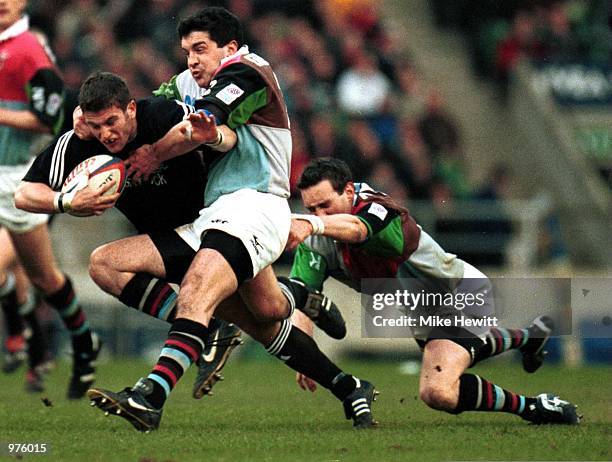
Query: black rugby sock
{"points": [[500, 340], [10, 307], [67, 305], [153, 296], [478, 394], [37, 346], [301, 353]]}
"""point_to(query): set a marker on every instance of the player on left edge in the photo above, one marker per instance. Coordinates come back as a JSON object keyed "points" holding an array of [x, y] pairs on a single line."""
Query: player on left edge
{"points": [[31, 107]]}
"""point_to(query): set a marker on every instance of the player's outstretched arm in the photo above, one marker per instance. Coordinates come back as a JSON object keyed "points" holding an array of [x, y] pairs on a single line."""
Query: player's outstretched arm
{"points": [[40, 198], [342, 227], [34, 197], [199, 129]]}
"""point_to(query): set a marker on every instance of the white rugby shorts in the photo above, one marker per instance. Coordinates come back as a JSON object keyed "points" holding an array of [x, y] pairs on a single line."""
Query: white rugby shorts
{"points": [[473, 282], [260, 220], [14, 219]]}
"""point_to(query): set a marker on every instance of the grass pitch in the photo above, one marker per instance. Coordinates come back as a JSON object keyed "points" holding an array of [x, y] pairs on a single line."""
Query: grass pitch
{"points": [[258, 413]]}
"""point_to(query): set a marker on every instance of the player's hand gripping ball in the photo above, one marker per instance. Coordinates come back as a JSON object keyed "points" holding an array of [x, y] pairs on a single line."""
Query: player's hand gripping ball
{"points": [[96, 172]]}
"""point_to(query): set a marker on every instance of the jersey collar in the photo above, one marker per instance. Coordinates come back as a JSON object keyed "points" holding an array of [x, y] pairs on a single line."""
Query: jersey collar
{"points": [[243, 50], [361, 188], [18, 28]]}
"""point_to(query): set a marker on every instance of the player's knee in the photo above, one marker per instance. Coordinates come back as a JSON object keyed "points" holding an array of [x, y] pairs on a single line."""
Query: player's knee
{"points": [[99, 269], [439, 397], [275, 310]]}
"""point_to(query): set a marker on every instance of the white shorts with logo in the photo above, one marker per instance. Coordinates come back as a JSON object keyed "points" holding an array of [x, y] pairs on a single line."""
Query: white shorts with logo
{"points": [[14, 219], [260, 220]]}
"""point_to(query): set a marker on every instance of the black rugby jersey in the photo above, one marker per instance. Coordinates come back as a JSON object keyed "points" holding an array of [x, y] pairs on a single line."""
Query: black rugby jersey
{"points": [[171, 197]]}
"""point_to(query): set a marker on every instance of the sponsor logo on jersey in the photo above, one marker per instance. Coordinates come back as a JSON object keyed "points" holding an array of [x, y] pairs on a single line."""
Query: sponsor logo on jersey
{"points": [[378, 211], [230, 93], [315, 261]]}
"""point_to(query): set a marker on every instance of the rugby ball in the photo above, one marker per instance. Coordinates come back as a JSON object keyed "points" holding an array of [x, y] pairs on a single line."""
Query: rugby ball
{"points": [[96, 172]]}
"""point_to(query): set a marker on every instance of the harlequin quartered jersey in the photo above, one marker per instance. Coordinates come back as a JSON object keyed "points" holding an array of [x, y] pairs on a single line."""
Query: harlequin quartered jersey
{"points": [[244, 93], [28, 80], [396, 247]]}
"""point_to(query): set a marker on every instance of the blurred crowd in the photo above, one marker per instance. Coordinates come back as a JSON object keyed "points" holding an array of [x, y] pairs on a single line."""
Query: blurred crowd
{"points": [[500, 33], [351, 87]]}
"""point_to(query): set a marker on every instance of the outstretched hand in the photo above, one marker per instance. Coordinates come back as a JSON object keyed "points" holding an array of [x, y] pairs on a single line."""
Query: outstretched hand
{"points": [[306, 383], [299, 231], [200, 127]]}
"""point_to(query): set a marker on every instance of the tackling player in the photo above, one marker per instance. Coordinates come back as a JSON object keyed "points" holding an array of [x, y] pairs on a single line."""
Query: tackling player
{"points": [[245, 222], [162, 254], [31, 106], [246, 87], [358, 233]]}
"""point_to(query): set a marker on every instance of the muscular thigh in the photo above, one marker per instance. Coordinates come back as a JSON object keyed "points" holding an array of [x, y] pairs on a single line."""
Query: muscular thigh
{"points": [[443, 363], [133, 254]]}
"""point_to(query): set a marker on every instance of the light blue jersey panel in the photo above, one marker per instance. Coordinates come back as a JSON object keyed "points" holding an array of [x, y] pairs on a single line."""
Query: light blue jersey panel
{"points": [[244, 167]]}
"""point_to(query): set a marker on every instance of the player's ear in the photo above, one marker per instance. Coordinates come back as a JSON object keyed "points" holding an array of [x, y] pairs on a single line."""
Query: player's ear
{"points": [[231, 48], [131, 109], [349, 190]]}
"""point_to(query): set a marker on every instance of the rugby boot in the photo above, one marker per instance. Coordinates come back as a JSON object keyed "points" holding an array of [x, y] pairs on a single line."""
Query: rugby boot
{"points": [[550, 409], [533, 351], [83, 369], [34, 380], [358, 405], [130, 404], [223, 339], [321, 310], [16, 353]]}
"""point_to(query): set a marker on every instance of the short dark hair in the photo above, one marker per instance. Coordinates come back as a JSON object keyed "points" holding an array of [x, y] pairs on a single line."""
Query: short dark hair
{"points": [[335, 170], [102, 90], [221, 25]]}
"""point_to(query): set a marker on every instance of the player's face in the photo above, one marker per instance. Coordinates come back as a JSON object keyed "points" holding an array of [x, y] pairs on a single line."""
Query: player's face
{"points": [[322, 199], [10, 12], [114, 127], [204, 55]]}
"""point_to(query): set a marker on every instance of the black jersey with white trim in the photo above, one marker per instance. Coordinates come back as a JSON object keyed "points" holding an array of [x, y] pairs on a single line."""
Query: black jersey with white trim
{"points": [[171, 197]]}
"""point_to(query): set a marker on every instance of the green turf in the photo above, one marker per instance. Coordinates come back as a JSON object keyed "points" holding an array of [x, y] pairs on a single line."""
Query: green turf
{"points": [[258, 413]]}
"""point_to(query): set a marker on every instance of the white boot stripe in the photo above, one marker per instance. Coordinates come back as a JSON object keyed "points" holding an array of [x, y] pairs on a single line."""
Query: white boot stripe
{"points": [[87, 378]]}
